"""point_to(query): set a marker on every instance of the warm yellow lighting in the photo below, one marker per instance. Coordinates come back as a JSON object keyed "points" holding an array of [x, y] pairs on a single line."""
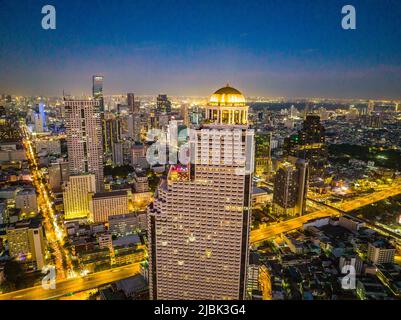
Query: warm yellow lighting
{"points": [[227, 96]]}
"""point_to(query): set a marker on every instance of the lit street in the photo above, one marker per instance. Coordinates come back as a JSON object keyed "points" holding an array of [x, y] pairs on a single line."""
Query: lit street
{"points": [[67, 286]]}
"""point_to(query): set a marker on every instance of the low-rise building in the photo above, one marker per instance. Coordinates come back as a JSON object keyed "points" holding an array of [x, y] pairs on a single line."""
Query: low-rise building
{"points": [[106, 204], [26, 242], [381, 251]]}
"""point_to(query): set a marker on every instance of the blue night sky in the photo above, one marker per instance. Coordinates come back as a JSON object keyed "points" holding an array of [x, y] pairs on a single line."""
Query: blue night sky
{"points": [[183, 47]]}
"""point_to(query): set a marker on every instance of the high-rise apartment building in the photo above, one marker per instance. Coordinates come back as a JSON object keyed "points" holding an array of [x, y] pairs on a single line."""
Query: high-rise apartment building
{"points": [[290, 188], [309, 144], [76, 196], [198, 225], [84, 139]]}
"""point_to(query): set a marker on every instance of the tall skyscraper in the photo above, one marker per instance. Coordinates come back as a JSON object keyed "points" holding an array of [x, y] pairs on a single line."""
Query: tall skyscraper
{"points": [[163, 104], [198, 248], [97, 90], [263, 162], [290, 188], [371, 107], [132, 103], [112, 133], [84, 139], [309, 144]]}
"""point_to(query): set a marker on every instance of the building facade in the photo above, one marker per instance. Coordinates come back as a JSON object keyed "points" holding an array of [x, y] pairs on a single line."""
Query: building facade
{"points": [[290, 188], [76, 196], [84, 139], [198, 225], [106, 204]]}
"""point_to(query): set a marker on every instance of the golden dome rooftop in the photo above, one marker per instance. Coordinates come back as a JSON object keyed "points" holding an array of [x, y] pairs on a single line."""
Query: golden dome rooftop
{"points": [[227, 96], [226, 107]]}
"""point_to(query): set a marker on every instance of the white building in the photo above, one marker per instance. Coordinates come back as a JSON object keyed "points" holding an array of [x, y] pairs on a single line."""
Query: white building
{"points": [[198, 225]]}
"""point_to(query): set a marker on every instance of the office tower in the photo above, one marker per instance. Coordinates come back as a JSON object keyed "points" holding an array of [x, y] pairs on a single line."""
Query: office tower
{"points": [[132, 104], [198, 225], [263, 163], [163, 104], [112, 133], [76, 196], [84, 139], [42, 114], [58, 175], [97, 91], [105, 204], [39, 118], [131, 101], [309, 144], [26, 242], [290, 188]]}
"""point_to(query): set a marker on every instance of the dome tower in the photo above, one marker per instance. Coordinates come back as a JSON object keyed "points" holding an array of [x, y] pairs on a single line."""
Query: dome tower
{"points": [[227, 107]]}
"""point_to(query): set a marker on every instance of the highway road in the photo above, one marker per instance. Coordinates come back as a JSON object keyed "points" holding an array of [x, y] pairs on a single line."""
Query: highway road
{"points": [[268, 232], [72, 285]]}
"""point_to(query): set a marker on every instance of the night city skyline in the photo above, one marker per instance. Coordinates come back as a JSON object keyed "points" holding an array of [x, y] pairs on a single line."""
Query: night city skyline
{"points": [[211, 154], [266, 48]]}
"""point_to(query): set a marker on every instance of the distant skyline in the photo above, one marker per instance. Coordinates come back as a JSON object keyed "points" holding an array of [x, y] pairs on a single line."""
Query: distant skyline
{"points": [[184, 47]]}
